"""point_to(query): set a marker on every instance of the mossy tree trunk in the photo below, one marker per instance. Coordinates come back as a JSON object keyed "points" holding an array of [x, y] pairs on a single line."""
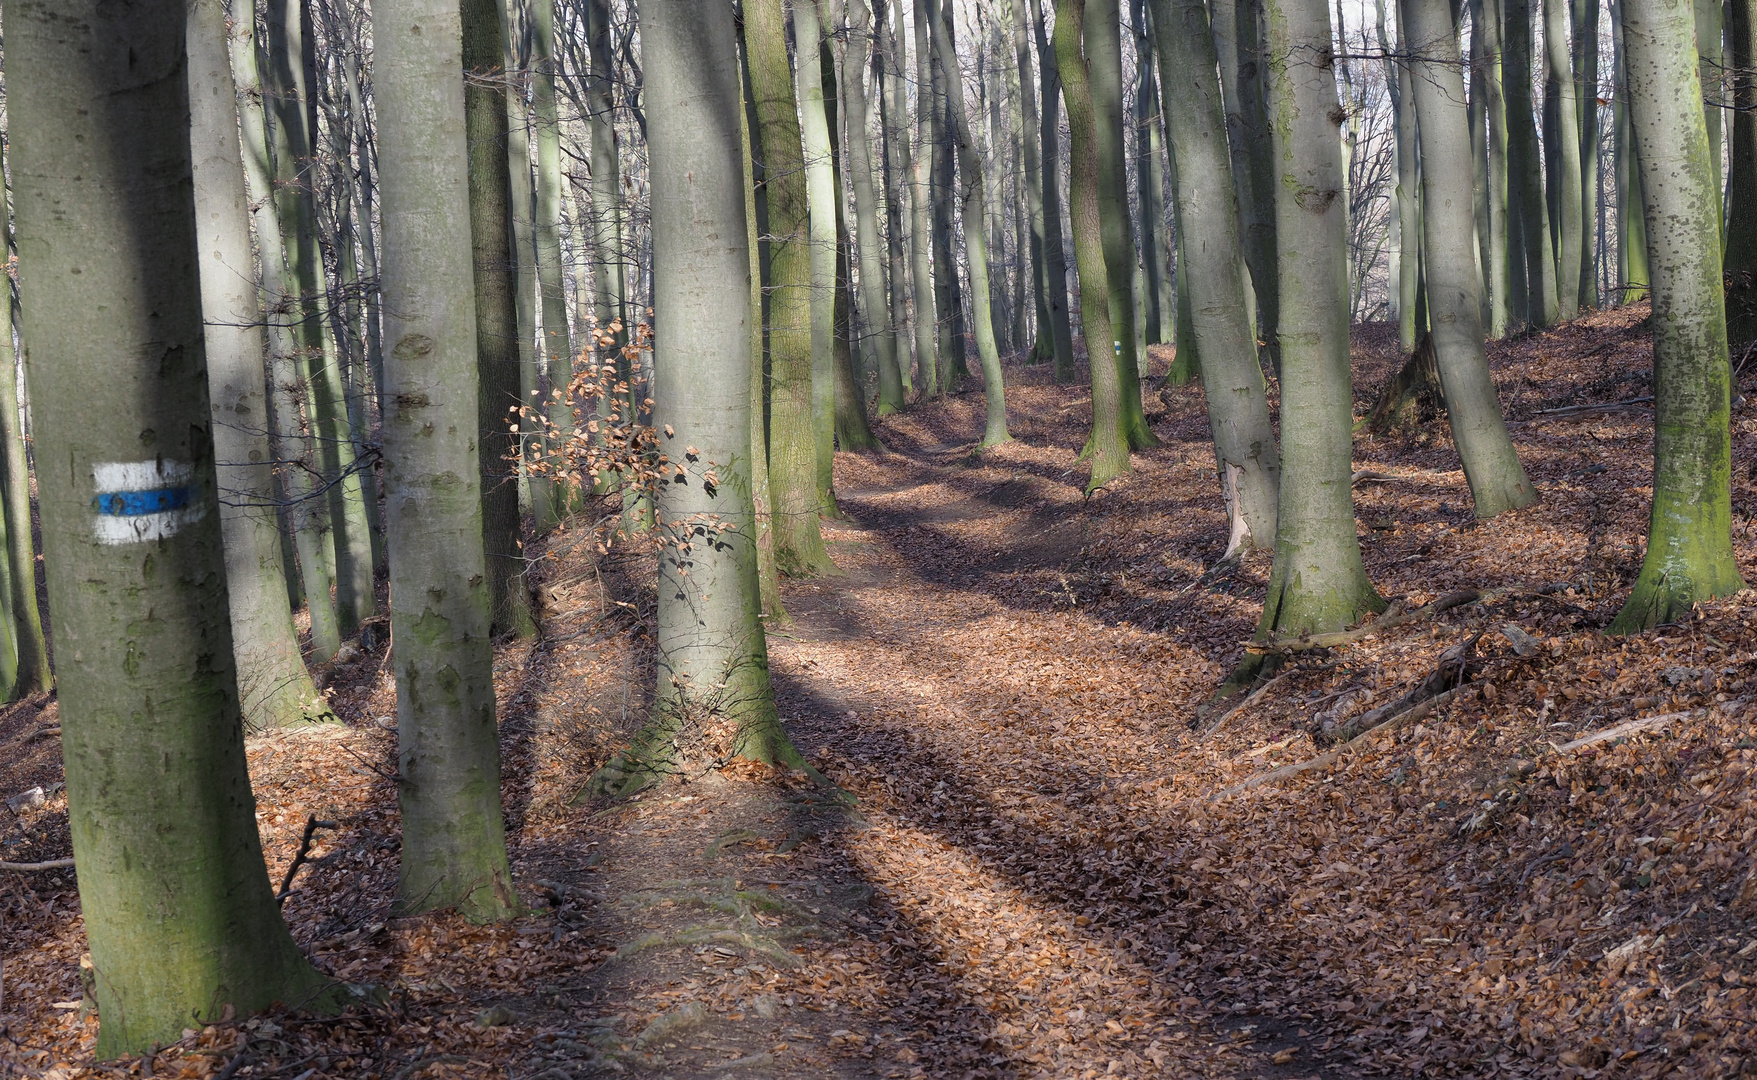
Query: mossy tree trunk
{"points": [[1212, 275], [1318, 582], [273, 683], [1479, 432], [1525, 168], [174, 892], [448, 744], [1689, 534], [497, 317]]}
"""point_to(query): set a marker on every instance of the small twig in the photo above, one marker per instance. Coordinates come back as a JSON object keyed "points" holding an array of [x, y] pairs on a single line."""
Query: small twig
{"points": [[244, 1058], [311, 827], [52, 864]]}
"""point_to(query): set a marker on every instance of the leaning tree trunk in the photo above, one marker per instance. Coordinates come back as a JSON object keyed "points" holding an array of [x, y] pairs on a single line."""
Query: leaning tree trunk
{"points": [[1559, 88], [797, 533], [1491, 465], [1055, 259], [174, 893], [497, 316], [448, 746], [275, 687], [1318, 582], [975, 179], [1689, 535], [1212, 277], [1108, 446], [713, 702], [867, 244]]}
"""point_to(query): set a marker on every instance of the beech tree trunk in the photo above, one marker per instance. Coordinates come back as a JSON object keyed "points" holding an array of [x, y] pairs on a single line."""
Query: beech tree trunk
{"points": [[1491, 465], [1689, 535], [1240, 40], [1055, 260], [448, 745], [1559, 89], [867, 245], [174, 892]]}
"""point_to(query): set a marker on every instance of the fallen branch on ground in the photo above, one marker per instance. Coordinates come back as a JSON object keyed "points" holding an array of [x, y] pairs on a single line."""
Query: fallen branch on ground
{"points": [[311, 827], [24, 867], [1629, 727], [1584, 410], [1393, 724], [1454, 668], [1248, 698]]}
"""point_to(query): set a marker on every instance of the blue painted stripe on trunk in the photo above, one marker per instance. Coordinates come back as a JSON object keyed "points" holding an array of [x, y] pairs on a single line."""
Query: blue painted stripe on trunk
{"points": [[136, 503]]}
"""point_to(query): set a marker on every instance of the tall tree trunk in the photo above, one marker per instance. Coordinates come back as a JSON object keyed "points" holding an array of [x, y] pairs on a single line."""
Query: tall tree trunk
{"points": [[852, 429], [948, 292], [711, 656], [894, 123], [557, 340], [822, 195], [1406, 224], [975, 235], [1689, 535], [1494, 299], [1150, 203], [1108, 446], [32, 673], [448, 745], [1525, 167], [867, 243], [174, 892], [1709, 58], [922, 217], [1491, 465], [1055, 260], [497, 317], [275, 688], [1570, 227], [1102, 30], [1318, 582], [1632, 269], [1586, 97], [1212, 275], [1740, 263], [541, 491], [1239, 40], [798, 536]]}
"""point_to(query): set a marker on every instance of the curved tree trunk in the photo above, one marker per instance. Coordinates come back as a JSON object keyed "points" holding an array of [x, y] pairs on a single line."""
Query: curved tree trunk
{"points": [[1491, 465], [273, 683], [174, 892], [1213, 277], [1318, 582], [448, 745], [1689, 535]]}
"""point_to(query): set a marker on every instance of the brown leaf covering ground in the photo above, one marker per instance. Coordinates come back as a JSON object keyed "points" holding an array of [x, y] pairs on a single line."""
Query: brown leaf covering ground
{"points": [[1041, 876]]}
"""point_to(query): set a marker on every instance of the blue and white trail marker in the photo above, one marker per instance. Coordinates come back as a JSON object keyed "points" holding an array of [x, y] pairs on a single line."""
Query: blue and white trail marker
{"points": [[137, 501]]}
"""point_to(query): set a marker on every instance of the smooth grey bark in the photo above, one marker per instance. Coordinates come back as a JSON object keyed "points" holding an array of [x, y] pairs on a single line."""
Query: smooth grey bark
{"points": [[499, 384], [1318, 582], [1525, 168], [173, 889], [1239, 40], [1585, 23], [948, 295], [711, 655], [1485, 35], [556, 340], [448, 745], [1479, 432], [1406, 223], [820, 183], [541, 491], [1212, 275], [1055, 259], [975, 215], [273, 683], [1709, 15], [32, 673], [1740, 260], [899, 193], [1561, 103], [1632, 269], [851, 428], [1689, 534], [867, 245], [1158, 313], [922, 217]]}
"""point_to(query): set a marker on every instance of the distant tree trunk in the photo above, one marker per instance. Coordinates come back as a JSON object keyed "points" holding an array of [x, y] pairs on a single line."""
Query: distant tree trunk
{"points": [[1708, 17], [1525, 167], [1632, 271], [948, 290], [1561, 102], [822, 195], [852, 429], [1318, 582], [712, 659], [543, 493], [448, 745], [1108, 446], [1055, 260], [497, 317], [899, 192], [557, 341], [798, 536], [1490, 232], [867, 243], [1157, 320], [1406, 223], [1240, 41], [1689, 535], [32, 674], [174, 893], [275, 688], [975, 239], [1741, 245], [1213, 280], [1586, 97], [1479, 432], [1103, 38]]}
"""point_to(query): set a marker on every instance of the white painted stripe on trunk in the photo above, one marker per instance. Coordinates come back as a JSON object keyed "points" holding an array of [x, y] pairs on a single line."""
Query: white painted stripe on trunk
{"points": [[112, 476], [112, 529]]}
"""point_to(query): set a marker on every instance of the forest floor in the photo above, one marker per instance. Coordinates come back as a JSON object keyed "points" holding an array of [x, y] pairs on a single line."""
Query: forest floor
{"points": [[1046, 870]]}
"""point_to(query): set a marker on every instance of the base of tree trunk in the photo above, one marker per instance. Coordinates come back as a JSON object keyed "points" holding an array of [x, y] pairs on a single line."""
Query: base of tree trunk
{"points": [[1411, 398], [1741, 308]]}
